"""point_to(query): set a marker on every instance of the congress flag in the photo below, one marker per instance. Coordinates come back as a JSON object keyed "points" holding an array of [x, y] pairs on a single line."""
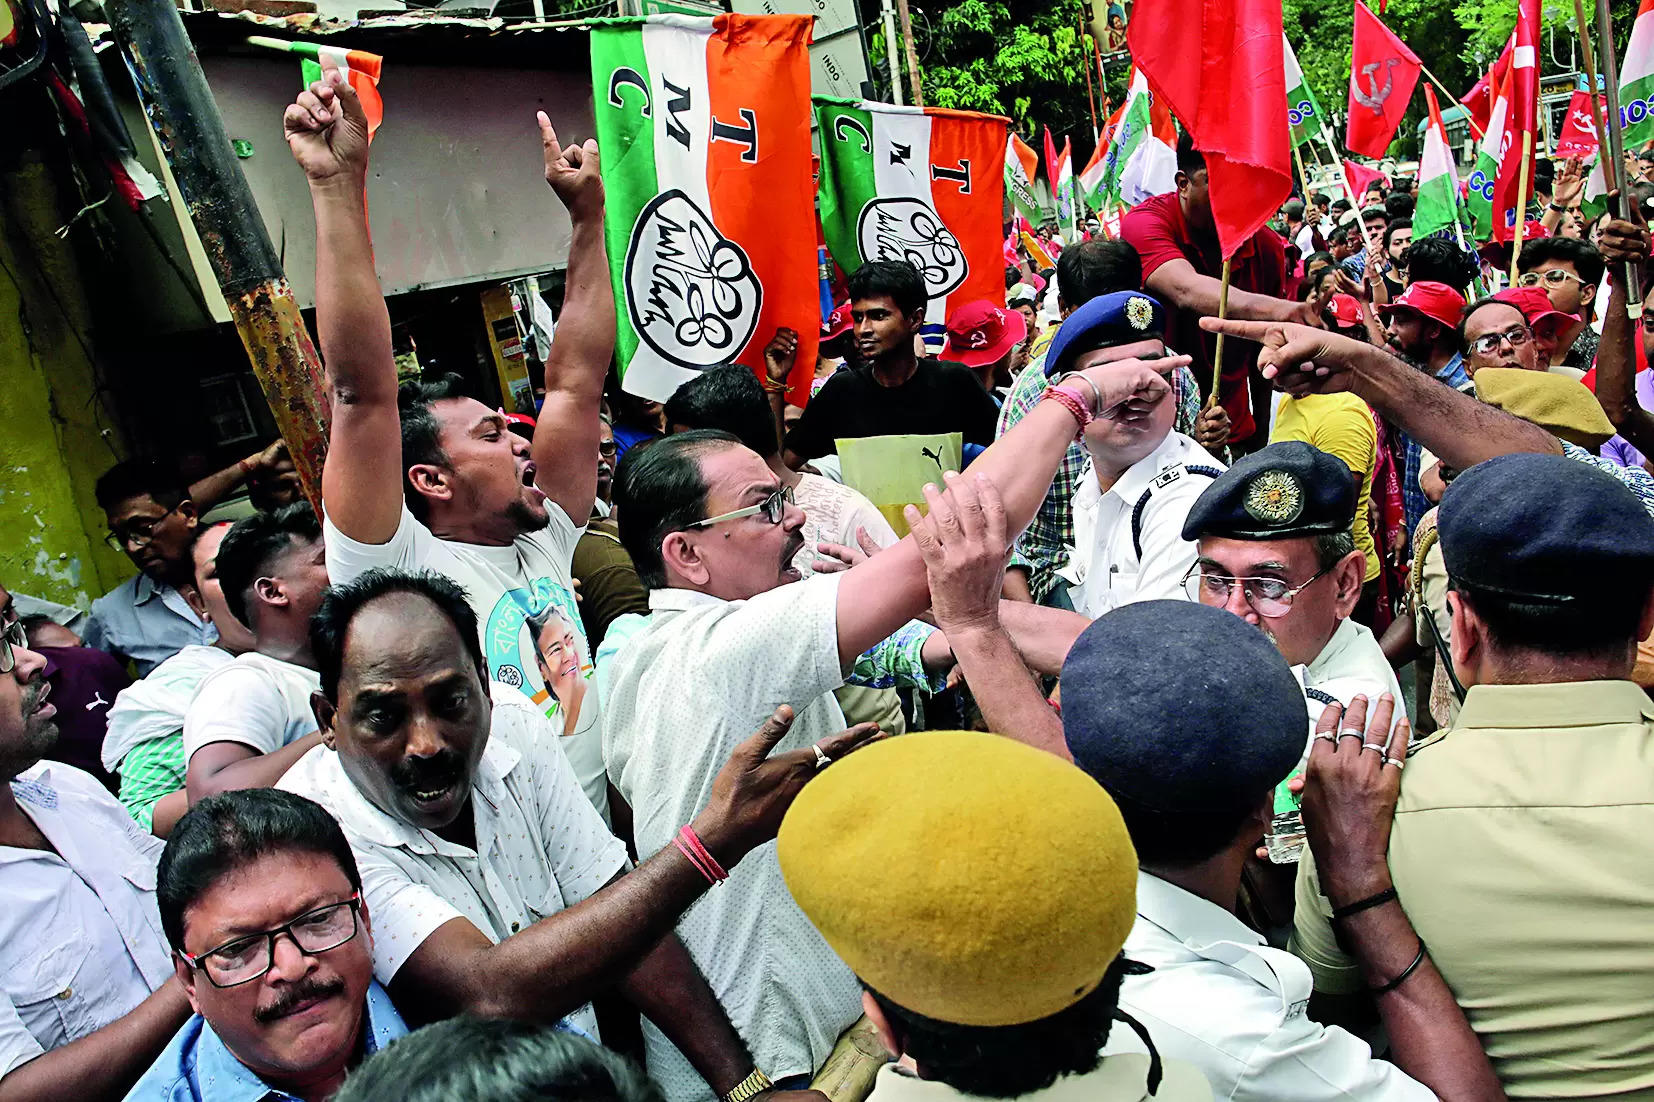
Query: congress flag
{"points": [[1438, 202], [704, 126], [1496, 146], [1021, 164], [358, 67], [1383, 72], [916, 184], [1141, 160], [1303, 111]]}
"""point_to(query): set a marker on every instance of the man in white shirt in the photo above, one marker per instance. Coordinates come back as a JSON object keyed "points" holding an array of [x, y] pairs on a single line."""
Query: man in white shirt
{"points": [[86, 994], [251, 719], [1141, 476], [714, 535], [437, 481], [1276, 550], [1191, 754], [494, 886]]}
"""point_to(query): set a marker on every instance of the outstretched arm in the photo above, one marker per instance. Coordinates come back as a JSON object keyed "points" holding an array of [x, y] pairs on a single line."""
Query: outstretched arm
{"points": [[1177, 281], [1461, 431], [565, 434], [1622, 242], [878, 596], [362, 478]]}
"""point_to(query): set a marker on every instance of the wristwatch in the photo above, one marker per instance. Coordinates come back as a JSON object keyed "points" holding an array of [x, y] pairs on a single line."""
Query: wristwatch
{"points": [[750, 1087]]}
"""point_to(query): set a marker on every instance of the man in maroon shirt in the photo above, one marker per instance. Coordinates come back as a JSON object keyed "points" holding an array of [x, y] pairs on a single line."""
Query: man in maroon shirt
{"points": [[1182, 266]]}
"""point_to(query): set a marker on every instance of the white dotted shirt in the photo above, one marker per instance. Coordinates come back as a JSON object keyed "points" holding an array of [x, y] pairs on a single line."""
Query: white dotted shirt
{"points": [[679, 694], [541, 846]]}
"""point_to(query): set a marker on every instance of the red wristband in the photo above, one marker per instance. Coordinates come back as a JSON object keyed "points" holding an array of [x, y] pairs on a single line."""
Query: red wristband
{"points": [[690, 845], [1073, 402]]}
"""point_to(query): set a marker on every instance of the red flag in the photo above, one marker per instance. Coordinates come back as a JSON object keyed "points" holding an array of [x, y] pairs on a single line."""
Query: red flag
{"points": [[1383, 72], [1218, 65], [1578, 137], [1360, 176], [1508, 194], [1479, 100], [1050, 160]]}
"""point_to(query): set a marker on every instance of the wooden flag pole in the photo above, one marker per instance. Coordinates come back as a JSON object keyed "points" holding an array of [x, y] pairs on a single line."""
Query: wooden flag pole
{"points": [[1303, 177], [1349, 188], [1521, 201], [1442, 88], [1217, 354], [912, 54], [1610, 175], [1611, 147]]}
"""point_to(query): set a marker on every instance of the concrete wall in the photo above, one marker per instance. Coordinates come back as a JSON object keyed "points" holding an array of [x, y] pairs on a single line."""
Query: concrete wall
{"points": [[52, 444]]}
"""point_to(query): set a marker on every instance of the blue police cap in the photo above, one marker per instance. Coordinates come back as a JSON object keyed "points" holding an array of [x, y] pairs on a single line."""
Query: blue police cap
{"points": [[1284, 491], [1176, 706], [1545, 528], [1124, 317]]}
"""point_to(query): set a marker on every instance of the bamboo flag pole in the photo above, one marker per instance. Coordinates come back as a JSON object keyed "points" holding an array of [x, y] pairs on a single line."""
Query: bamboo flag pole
{"points": [[1442, 88], [1217, 354], [1610, 174], [1611, 145], [1521, 200], [1349, 189], [1303, 177]]}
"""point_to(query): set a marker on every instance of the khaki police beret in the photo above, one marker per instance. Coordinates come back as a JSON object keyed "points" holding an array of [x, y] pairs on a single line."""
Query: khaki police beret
{"points": [[964, 876], [1561, 406]]}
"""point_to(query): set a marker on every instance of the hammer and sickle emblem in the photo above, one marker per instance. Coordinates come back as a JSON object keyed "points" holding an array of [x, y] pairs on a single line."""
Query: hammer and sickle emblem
{"points": [[1375, 96]]}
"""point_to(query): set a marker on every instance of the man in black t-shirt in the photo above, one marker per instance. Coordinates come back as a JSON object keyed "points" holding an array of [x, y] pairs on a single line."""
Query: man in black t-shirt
{"points": [[891, 391]]}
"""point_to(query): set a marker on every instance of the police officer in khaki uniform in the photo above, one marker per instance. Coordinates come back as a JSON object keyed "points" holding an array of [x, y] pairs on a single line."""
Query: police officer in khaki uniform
{"points": [[1523, 842], [983, 912]]}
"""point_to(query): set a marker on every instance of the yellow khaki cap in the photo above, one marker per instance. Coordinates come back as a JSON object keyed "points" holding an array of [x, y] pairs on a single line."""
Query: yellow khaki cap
{"points": [[1561, 406], [964, 876]]}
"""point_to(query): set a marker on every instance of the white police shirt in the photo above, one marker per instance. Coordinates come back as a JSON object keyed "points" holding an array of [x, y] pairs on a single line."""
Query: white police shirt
{"points": [[1221, 999], [1114, 561], [80, 936]]}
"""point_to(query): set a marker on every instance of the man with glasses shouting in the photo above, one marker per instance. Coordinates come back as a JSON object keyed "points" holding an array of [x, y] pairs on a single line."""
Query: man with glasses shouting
{"points": [[262, 904], [1276, 549]]}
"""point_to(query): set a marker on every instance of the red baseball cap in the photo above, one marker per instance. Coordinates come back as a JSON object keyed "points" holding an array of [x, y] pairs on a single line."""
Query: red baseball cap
{"points": [[1436, 301], [980, 333], [1345, 310], [1536, 306], [837, 322], [521, 424]]}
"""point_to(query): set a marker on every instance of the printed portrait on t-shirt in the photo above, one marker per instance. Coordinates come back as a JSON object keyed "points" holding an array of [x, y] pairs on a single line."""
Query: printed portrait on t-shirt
{"points": [[513, 648]]}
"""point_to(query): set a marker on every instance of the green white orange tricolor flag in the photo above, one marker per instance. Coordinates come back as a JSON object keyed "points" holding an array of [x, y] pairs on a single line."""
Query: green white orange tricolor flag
{"points": [[1637, 81], [704, 127], [1303, 111], [359, 67], [1437, 208], [1495, 145], [916, 184], [1141, 161], [1021, 163]]}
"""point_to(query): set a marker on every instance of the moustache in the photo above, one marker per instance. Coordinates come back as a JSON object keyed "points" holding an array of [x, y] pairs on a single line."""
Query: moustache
{"points": [[293, 996], [32, 692], [426, 773]]}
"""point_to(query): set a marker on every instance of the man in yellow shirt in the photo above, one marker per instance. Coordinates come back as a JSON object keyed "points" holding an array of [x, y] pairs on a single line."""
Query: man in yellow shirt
{"points": [[1342, 426]]}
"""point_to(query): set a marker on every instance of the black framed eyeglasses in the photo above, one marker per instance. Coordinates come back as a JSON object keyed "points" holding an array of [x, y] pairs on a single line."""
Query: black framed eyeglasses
{"points": [[12, 639], [774, 507], [1269, 597], [1488, 343], [138, 533], [247, 958]]}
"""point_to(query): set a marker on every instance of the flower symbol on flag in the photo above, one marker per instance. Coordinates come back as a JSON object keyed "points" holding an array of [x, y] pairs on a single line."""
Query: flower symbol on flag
{"points": [[909, 229], [691, 292]]}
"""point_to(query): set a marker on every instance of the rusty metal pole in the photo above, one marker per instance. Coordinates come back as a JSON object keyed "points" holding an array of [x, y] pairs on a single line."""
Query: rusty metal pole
{"points": [[174, 94]]}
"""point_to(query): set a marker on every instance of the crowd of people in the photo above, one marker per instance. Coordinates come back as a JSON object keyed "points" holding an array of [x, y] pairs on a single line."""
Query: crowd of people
{"points": [[626, 752]]}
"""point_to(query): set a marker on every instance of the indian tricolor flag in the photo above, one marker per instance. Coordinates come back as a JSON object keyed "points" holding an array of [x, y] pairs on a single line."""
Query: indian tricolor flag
{"points": [[1141, 160], [704, 127], [1438, 202], [1021, 163], [916, 184], [359, 67], [1497, 142], [1637, 81], [1303, 111]]}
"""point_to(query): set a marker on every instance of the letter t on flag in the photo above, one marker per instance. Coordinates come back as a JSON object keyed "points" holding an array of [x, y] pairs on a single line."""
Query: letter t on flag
{"points": [[1383, 72]]}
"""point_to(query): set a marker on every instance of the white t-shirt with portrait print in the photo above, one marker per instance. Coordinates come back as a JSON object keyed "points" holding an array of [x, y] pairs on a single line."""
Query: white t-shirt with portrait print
{"points": [[505, 586]]}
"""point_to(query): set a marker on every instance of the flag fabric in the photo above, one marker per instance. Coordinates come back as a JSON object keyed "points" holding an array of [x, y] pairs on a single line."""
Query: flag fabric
{"points": [[705, 129], [1063, 190], [1437, 209], [359, 67], [1050, 161], [915, 184], [1383, 72], [1218, 66], [1141, 158], [1510, 198], [1497, 142], [1637, 81], [1021, 165], [1303, 112], [1578, 136], [1479, 100], [1091, 177], [1361, 177]]}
